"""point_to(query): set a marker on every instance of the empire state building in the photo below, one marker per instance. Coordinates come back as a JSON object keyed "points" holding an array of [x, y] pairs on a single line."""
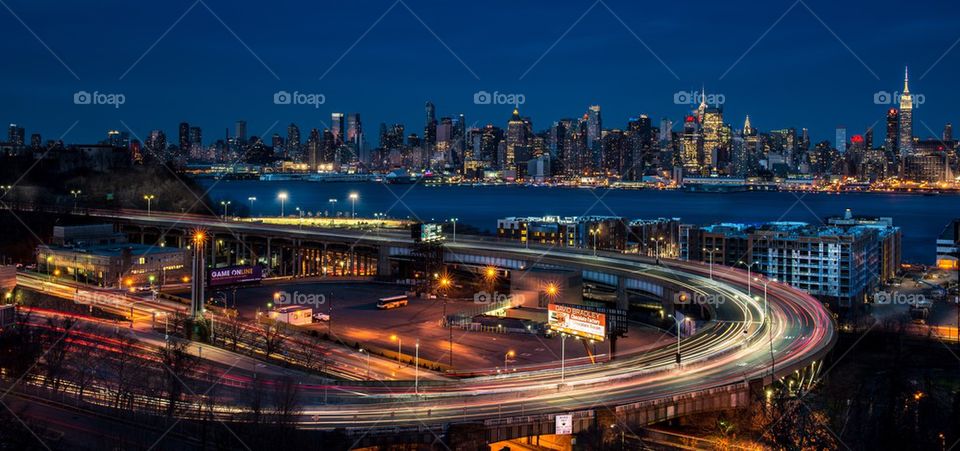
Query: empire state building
{"points": [[906, 118]]}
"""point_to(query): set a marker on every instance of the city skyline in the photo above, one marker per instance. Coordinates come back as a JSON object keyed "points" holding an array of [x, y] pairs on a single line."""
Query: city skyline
{"points": [[756, 65]]}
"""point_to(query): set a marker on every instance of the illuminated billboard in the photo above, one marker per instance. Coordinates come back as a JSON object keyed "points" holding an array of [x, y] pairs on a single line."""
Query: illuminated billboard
{"points": [[575, 321], [232, 275], [426, 232]]}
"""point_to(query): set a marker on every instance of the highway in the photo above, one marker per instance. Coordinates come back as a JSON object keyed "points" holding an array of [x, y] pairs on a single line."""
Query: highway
{"points": [[746, 341]]}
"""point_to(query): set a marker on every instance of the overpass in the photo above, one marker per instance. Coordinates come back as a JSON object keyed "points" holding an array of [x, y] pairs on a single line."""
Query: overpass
{"points": [[752, 343]]}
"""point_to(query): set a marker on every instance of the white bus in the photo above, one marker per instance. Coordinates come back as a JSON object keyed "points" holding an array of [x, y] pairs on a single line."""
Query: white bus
{"points": [[392, 302]]}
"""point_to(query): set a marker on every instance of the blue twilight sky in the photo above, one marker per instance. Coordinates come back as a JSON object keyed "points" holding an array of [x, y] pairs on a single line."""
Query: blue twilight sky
{"points": [[815, 64]]}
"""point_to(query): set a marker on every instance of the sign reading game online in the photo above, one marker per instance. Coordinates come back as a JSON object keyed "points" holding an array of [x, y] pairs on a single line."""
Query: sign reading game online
{"points": [[579, 322], [235, 274]]}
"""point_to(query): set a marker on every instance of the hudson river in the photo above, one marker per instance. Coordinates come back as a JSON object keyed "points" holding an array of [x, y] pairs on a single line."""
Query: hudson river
{"points": [[921, 218]]}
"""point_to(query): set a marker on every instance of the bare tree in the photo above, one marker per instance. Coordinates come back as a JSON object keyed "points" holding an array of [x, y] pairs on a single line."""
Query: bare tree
{"points": [[177, 365], [125, 366], [272, 334], [286, 401], [55, 338], [232, 330]]}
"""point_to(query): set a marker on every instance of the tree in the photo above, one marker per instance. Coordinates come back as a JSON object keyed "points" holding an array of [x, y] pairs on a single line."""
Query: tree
{"points": [[272, 334], [177, 364], [286, 401]]}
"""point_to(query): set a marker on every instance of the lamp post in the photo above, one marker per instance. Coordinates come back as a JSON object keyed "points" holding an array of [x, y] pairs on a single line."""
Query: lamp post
{"points": [[251, 199], [563, 356], [282, 195], [225, 203], [766, 320], [399, 349], [509, 353], [679, 334], [149, 198], [749, 285], [75, 193], [416, 370], [657, 243], [454, 221], [596, 234], [333, 206], [353, 204], [711, 252]]}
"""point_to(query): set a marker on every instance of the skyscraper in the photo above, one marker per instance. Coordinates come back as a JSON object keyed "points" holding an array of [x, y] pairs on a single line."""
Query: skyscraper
{"points": [[711, 121], [594, 126], [841, 143], [906, 117], [313, 149], [429, 127], [184, 138], [293, 140], [891, 141], [241, 132], [515, 139], [336, 128], [355, 137]]}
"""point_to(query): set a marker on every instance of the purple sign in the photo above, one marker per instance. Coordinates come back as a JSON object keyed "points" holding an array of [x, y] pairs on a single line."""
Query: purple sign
{"points": [[231, 275]]}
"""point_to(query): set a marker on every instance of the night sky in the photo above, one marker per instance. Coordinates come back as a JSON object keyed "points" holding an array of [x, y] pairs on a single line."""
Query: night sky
{"points": [[215, 62]]}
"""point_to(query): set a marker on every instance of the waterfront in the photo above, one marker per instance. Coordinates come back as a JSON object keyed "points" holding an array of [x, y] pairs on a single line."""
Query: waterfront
{"points": [[922, 218]]}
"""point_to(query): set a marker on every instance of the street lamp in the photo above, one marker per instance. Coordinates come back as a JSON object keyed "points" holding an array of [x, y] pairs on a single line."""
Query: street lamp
{"points": [[251, 199], [711, 252], [749, 285], [353, 204], [766, 315], [596, 234], [399, 348], [416, 370], [149, 198], [454, 221], [282, 195], [333, 206], [563, 355], [679, 334], [225, 203], [75, 193], [509, 353], [657, 243]]}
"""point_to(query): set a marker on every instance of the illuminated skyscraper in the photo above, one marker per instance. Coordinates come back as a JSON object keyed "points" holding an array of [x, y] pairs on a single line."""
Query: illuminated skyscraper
{"points": [[354, 139], [711, 122], [293, 140], [841, 143], [336, 127], [515, 139], [906, 117], [430, 126], [691, 146], [184, 130], [594, 127], [241, 132]]}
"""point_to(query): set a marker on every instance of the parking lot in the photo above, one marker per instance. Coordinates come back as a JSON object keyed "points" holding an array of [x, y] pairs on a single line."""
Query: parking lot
{"points": [[355, 319]]}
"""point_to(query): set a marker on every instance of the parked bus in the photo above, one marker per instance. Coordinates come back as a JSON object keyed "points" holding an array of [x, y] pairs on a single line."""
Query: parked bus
{"points": [[392, 302]]}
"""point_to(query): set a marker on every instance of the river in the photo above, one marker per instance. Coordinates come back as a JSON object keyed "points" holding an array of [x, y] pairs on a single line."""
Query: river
{"points": [[921, 218]]}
